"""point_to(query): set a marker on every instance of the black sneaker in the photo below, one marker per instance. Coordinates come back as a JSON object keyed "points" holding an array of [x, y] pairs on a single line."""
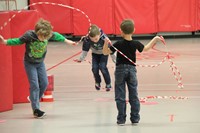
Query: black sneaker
{"points": [[38, 113], [121, 123], [108, 87], [97, 86], [135, 122]]}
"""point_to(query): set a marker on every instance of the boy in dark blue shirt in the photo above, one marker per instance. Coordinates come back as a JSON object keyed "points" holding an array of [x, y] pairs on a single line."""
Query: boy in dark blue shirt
{"points": [[95, 41]]}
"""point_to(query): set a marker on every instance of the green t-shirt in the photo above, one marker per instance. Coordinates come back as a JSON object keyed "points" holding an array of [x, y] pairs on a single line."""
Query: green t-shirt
{"points": [[35, 49]]}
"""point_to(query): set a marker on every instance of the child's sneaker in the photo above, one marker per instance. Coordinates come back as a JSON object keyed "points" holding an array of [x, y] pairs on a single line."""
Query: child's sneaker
{"points": [[97, 86], [28, 98], [108, 87], [121, 123], [135, 122], [38, 113]]}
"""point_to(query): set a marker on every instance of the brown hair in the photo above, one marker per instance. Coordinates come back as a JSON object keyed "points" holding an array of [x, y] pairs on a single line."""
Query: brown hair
{"points": [[127, 26], [43, 28], [93, 30]]}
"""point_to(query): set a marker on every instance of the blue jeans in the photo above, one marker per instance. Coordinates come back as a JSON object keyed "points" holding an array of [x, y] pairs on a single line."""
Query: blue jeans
{"points": [[126, 75], [38, 81], [99, 62]]}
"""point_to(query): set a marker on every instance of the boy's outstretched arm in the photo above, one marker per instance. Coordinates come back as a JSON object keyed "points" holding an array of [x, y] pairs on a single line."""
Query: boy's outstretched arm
{"points": [[2, 40], [82, 57], [151, 43], [106, 49], [70, 42], [60, 38]]}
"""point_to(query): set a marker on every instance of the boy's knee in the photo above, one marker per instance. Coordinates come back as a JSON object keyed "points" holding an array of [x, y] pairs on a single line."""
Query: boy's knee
{"points": [[95, 69], [103, 68], [44, 84]]}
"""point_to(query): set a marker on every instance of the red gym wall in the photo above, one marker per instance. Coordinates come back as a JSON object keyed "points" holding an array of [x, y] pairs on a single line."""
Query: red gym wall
{"points": [[6, 86], [14, 87], [150, 16], [20, 82]]}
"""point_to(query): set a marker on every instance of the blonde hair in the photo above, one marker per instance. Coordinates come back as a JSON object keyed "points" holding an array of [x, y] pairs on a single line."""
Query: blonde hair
{"points": [[43, 28], [127, 26], [93, 30]]}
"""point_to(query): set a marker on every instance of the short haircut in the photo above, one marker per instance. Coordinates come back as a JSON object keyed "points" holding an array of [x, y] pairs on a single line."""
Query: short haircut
{"points": [[93, 30], [43, 28], [127, 26]]}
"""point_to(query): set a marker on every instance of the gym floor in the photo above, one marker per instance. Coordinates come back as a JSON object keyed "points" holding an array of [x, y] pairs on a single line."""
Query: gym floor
{"points": [[79, 108]]}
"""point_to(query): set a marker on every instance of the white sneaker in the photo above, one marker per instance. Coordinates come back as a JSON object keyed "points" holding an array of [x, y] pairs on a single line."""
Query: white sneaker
{"points": [[28, 98]]}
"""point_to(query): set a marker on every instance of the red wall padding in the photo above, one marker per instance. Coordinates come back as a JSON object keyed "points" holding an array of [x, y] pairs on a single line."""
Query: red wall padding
{"points": [[14, 86], [143, 14], [100, 13], [19, 26], [198, 15], [59, 16], [150, 16], [176, 15], [6, 91]]}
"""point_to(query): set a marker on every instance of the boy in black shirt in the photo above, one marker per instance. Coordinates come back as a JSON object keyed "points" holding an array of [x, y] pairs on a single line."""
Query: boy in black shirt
{"points": [[125, 72]]}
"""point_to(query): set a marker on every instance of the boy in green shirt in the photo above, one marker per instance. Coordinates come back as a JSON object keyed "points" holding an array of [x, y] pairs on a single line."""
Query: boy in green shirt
{"points": [[35, 51]]}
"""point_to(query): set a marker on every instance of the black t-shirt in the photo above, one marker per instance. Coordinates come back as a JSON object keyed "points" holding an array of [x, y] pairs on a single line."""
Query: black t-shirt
{"points": [[128, 48]]}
